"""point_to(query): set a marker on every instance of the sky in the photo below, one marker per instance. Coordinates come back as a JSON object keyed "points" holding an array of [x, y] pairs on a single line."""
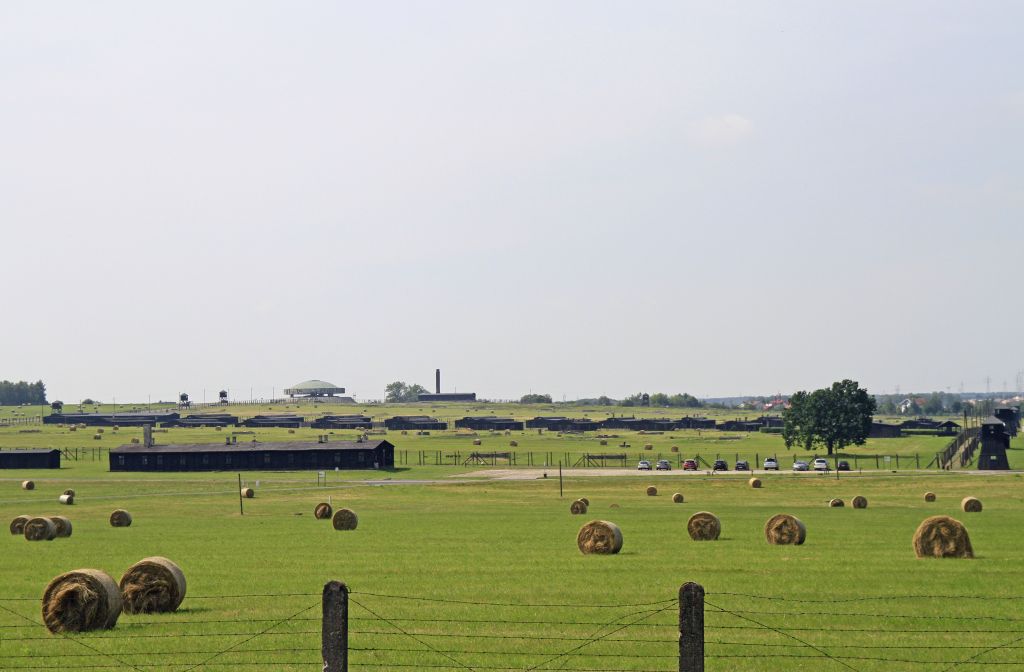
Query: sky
{"points": [[573, 198]]}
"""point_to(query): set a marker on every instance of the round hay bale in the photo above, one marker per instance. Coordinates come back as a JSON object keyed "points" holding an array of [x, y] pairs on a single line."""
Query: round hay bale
{"points": [[67, 500], [135, 439], [603, 442], [63, 526], [836, 503], [585, 501], [860, 502], [345, 519], [648, 446], [477, 442], [678, 498], [783, 529], [120, 518], [929, 496], [82, 600], [153, 585], [72, 428], [704, 526], [248, 493], [97, 437], [970, 505], [599, 537], [323, 511], [514, 444], [651, 491], [291, 431], [28, 485], [99, 430], [754, 482], [39, 529], [577, 507], [18, 524], [675, 449], [942, 537], [69, 492]]}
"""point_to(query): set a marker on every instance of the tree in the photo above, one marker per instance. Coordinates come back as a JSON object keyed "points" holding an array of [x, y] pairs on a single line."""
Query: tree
{"points": [[535, 399], [398, 392], [834, 417]]}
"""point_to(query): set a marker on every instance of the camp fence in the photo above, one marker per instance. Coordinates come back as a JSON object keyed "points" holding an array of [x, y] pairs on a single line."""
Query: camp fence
{"points": [[690, 630]]}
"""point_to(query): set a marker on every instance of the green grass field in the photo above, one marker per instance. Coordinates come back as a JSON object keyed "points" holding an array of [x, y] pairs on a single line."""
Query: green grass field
{"points": [[471, 573]]}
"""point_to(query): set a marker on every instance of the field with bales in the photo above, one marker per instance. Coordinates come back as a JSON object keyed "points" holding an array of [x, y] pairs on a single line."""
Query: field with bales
{"points": [[456, 566]]}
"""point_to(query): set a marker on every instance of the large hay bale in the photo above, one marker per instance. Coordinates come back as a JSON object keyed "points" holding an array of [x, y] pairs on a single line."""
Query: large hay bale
{"points": [[942, 537], [860, 502], [678, 498], [72, 428], [135, 439], [514, 444], [153, 585], [82, 600], [577, 507], [675, 449], [648, 446], [929, 496], [783, 529], [248, 493], [836, 503], [345, 519], [39, 529], [704, 526], [97, 437], [28, 485], [67, 500], [63, 526], [18, 524], [599, 537], [970, 505], [477, 442], [99, 430], [651, 491], [754, 482], [120, 518], [603, 442], [323, 511]]}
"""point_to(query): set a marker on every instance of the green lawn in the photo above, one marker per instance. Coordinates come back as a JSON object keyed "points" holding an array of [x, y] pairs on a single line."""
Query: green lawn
{"points": [[471, 540]]}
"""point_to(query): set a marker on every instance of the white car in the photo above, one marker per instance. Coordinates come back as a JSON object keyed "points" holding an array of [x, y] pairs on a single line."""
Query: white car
{"points": [[820, 464], [771, 463], [800, 465]]}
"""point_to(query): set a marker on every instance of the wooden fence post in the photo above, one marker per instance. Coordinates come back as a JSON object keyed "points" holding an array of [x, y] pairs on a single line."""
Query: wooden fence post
{"points": [[691, 628], [334, 636]]}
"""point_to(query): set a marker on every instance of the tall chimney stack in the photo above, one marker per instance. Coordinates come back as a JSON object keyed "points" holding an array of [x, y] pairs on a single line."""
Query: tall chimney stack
{"points": [[437, 381]]}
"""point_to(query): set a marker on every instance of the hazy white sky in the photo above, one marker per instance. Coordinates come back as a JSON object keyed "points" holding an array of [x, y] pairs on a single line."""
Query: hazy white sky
{"points": [[578, 198]]}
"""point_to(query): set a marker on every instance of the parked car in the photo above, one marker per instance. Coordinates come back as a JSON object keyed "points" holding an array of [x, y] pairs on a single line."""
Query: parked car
{"points": [[800, 465], [742, 465], [689, 465], [820, 464], [663, 465], [720, 465], [843, 466], [643, 465], [771, 463]]}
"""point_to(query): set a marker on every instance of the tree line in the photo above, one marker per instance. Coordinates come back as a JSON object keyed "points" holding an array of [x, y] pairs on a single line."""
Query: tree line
{"points": [[22, 392]]}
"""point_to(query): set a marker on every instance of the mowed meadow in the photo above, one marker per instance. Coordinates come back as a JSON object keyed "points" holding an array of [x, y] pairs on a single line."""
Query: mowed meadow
{"points": [[451, 568]]}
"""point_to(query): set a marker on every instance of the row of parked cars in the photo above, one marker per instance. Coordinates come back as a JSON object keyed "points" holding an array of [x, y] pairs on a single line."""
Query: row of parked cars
{"points": [[770, 464]]}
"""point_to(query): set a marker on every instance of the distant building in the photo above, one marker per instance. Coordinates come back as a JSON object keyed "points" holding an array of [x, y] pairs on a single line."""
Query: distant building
{"points": [[292, 455], [446, 396], [319, 390], [489, 423], [415, 423], [343, 422], [30, 459], [881, 430]]}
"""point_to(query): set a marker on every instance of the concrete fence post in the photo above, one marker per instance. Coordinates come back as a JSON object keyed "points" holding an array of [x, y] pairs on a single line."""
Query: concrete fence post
{"points": [[691, 627], [334, 637]]}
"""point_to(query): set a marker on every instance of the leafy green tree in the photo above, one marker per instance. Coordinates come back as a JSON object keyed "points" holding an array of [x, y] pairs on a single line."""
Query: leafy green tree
{"points": [[400, 393], [413, 392], [535, 399], [834, 417]]}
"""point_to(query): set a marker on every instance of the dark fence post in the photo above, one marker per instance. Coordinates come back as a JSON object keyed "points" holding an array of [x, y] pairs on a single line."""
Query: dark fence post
{"points": [[335, 627], [691, 628]]}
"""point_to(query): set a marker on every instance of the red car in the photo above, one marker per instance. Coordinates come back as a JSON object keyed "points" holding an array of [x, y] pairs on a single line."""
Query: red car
{"points": [[689, 465]]}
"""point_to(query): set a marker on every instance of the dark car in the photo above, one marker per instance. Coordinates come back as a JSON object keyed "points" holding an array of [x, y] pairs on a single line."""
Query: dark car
{"points": [[663, 465], [742, 465], [843, 466], [720, 465], [689, 465]]}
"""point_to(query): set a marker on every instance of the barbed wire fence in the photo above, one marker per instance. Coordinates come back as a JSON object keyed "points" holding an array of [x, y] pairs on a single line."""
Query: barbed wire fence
{"points": [[340, 630]]}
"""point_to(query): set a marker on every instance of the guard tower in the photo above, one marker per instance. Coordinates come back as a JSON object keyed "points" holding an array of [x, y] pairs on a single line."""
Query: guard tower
{"points": [[994, 442], [1010, 415]]}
